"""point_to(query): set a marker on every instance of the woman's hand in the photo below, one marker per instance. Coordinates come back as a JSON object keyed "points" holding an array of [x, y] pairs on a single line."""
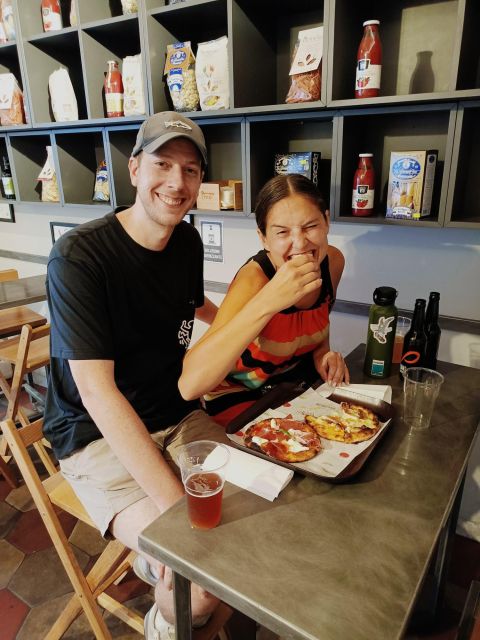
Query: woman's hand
{"points": [[295, 279], [333, 369]]}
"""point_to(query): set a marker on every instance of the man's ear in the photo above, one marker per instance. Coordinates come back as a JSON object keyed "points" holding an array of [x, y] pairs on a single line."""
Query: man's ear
{"points": [[133, 164], [263, 240]]}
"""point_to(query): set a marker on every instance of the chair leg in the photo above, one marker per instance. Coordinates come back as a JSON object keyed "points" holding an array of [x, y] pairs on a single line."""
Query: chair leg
{"points": [[7, 473]]}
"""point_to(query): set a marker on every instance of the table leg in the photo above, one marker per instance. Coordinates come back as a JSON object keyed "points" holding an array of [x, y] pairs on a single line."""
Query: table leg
{"points": [[183, 609]]}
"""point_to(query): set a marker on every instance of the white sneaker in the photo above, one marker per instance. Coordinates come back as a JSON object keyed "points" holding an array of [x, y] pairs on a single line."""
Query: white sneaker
{"points": [[156, 627], [143, 570]]}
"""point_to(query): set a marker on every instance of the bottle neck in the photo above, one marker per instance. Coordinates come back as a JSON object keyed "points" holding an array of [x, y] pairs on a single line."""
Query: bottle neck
{"points": [[432, 311], [365, 163], [418, 318]]}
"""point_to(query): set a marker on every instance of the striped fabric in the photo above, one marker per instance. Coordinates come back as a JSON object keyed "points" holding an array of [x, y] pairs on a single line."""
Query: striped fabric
{"points": [[284, 342]]}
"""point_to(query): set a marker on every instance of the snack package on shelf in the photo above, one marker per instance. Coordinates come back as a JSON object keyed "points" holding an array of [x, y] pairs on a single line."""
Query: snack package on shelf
{"points": [[129, 6], [11, 101], [101, 191], [73, 14], [62, 96], [304, 162], [212, 75], [410, 184], [48, 180], [133, 89], [180, 76], [306, 70], [8, 21]]}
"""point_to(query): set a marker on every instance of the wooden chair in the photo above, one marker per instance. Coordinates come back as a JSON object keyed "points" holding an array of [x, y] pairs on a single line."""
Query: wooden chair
{"points": [[8, 274], [27, 352]]}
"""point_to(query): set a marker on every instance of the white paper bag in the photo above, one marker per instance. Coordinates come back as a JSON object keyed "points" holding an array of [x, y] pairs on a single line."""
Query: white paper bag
{"points": [[62, 96]]}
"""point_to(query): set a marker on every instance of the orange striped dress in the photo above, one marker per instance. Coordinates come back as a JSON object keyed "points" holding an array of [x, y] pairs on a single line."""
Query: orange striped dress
{"points": [[278, 353]]}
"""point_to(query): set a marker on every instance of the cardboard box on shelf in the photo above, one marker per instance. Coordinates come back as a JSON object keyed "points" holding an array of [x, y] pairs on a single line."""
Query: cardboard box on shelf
{"points": [[220, 195], [304, 162], [410, 184]]}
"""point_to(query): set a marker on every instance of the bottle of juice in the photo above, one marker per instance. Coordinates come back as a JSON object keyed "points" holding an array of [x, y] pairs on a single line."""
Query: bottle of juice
{"points": [[363, 186], [369, 62], [113, 86], [51, 15], [382, 321]]}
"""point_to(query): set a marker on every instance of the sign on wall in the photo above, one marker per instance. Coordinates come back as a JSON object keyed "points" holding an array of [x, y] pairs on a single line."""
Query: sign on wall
{"points": [[212, 237]]}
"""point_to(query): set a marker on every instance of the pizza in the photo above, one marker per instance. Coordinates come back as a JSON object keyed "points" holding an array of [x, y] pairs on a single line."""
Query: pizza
{"points": [[354, 424], [283, 439]]}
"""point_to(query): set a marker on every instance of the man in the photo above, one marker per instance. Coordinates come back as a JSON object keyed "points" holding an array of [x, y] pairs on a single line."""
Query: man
{"points": [[123, 292]]}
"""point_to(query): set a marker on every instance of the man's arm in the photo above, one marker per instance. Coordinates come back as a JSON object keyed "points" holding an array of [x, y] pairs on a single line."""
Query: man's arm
{"points": [[207, 312], [124, 431]]}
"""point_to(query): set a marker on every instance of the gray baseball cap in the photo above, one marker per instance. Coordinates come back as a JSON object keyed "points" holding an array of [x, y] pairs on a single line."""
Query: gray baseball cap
{"points": [[168, 125]]}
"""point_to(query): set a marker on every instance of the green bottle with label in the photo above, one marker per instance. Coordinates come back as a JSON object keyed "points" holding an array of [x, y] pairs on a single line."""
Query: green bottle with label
{"points": [[382, 322]]}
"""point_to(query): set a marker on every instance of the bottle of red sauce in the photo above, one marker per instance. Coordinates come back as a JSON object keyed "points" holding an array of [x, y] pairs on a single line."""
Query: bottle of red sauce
{"points": [[363, 186], [113, 86], [51, 15], [369, 62]]}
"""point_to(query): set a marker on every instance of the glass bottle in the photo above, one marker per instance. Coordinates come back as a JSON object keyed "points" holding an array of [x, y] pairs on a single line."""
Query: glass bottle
{"points": [[113, 87], [369, 62], [432, 330], [51, 15], [363, 186], [382, 320], [413, 353], [8, 190]]}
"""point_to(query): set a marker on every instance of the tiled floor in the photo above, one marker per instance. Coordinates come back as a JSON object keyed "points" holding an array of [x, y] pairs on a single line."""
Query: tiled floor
{"points": [[34, 587]]}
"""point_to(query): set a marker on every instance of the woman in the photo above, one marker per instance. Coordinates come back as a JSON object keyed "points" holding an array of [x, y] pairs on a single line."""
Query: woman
{"points": [[274, 321]]}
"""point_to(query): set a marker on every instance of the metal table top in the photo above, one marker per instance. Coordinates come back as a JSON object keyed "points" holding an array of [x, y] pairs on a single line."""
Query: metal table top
{"points": [[334, 561]]}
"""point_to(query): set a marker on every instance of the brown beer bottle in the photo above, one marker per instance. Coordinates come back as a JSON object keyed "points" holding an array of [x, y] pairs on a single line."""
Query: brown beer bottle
{"points": [[432, 330], [413, 354]]}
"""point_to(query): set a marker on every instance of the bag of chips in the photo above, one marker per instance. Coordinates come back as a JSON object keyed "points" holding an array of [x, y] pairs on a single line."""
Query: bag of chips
{"points": [[101, 192], [180, 76], [305, 72], [212, 74], [11, 101], [48, 180], [133, 90], [62, 96]]}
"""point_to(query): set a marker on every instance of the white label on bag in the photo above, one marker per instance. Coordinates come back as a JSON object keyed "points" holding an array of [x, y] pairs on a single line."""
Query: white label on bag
{"points": [[368, 75]]}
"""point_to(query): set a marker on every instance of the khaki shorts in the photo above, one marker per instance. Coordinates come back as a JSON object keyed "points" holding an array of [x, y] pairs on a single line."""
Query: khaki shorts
{"points": [[105, 487]]}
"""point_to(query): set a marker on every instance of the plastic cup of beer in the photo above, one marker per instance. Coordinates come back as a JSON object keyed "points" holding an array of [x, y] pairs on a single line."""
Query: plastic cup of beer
{"points": [[420, 392], [403, 325], [203, 465]]}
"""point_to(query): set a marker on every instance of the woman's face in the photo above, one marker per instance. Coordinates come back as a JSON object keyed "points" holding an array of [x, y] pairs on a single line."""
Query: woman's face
{"points": [[295, 225]]}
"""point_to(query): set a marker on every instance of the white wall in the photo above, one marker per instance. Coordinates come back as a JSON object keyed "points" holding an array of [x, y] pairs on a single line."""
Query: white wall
{"points": [[413, 260]]}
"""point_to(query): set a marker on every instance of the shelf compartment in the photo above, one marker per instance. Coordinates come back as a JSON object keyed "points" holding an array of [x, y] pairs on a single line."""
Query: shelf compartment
{"points": [[463, 205], [45, 55], [100, 44], [269, 135], [121, 141], [381, 131], [468, 77], [79, 153], [178, 23], [29, 154], [30, 17], [225, 140], [95, 10], [10, 63], [263, 41], [420, 47]]}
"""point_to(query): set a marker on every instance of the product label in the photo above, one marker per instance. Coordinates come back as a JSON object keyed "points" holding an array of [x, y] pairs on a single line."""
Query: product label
{"points": [[377, 368], [114, 102], [382, 328], [362, 197], [368, 75], [52, 21], [7, 183]]}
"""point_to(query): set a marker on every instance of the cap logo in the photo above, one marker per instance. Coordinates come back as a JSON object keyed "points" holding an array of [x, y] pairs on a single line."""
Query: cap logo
{"points": [[177, 123]]}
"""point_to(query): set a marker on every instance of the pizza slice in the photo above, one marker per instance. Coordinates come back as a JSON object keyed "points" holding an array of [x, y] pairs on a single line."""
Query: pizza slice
{"points": [[354, 424], [283, 439]]}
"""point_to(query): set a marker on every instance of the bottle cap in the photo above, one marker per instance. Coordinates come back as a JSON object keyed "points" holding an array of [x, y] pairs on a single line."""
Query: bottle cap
{"points": [[435, 295], [365, 155], [367, 22], [384, 295]]}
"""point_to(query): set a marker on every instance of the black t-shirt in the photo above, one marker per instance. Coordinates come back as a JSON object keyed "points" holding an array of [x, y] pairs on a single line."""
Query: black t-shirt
{"points": [[112, 299]]}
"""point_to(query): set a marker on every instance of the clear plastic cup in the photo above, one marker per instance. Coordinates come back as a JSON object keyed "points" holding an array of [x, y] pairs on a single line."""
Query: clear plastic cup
{"points": [[420, 392], [203, 466]]}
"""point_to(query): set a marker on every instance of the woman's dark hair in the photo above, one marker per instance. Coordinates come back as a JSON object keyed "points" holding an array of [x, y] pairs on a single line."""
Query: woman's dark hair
{"points": [[281, 187]]}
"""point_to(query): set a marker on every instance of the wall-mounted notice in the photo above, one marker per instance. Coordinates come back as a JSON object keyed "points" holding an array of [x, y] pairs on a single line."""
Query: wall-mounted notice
{"points": [[212, 237]]}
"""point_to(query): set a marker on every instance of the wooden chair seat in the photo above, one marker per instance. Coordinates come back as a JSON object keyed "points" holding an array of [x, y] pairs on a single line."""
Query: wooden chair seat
{"points": [[38, 356]]}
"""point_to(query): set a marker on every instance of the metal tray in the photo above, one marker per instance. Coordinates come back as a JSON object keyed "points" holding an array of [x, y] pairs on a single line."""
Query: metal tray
{"points": [[286, 391]]}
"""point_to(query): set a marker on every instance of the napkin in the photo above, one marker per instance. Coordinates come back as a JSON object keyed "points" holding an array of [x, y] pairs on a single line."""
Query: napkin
{"points": [[378, 391], [265, 479]]}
